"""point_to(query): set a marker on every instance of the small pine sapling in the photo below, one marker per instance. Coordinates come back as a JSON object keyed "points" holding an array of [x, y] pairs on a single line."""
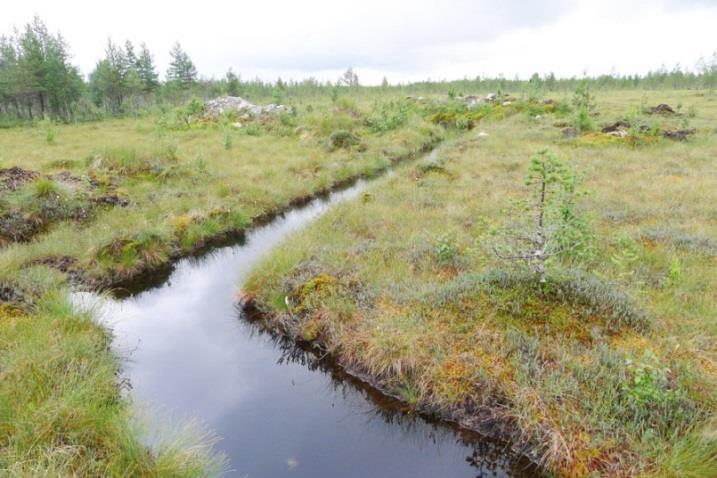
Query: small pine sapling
{"points": [[546, 224]]}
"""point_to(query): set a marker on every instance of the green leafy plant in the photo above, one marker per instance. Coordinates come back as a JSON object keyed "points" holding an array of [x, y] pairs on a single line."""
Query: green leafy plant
{"points": [[674, 273], [388, 116], [446, 250], [190, 112], [625, 257], [648, 381], [463, 123]]}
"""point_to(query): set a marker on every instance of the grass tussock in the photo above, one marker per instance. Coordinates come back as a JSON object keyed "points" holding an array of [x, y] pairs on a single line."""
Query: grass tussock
{"points": [[129, 161]]}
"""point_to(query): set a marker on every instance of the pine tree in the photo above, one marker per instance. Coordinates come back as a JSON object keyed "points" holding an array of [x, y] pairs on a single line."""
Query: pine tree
{"points": [[550, 81], [36, 75], [181, 68], [233, 83], [32, 66], [132, 82], [62, 81], [129, 54], [349, 78], [109, 81], [9, 72], [146, 71]]}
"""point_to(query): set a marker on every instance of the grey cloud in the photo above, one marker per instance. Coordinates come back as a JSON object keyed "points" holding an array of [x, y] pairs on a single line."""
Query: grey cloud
{"points": [[400, 37]]}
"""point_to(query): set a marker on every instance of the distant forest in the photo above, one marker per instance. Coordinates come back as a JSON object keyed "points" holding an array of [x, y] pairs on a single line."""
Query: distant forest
{"points": [[38, 80]]}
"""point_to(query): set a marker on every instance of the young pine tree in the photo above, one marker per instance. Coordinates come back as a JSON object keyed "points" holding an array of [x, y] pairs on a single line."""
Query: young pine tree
{"points": [[547, 223]]}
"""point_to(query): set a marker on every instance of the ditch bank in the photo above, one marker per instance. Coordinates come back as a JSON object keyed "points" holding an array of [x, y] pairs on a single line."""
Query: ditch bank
{"points": [[480, 422], [141, 278], [279, 410]]}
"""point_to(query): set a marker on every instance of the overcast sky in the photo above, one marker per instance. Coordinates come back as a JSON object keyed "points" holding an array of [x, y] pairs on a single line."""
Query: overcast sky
{"points": [[404, 40]]}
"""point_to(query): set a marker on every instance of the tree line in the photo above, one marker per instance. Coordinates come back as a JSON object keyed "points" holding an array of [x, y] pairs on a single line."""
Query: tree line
{"points": [[36, 76], [126, 80], [38, 79]]}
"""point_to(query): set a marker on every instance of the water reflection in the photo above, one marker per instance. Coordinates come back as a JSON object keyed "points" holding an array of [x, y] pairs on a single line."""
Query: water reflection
{"points": [[278, 410], [489, 458]]}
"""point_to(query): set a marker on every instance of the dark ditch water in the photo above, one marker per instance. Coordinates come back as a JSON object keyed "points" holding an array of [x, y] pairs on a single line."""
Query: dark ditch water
{"points": [[277, 412]]}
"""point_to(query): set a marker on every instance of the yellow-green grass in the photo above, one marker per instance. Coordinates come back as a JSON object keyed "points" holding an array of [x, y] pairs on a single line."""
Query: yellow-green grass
{"points": [[403, 288], [61, 412], [187, 186], [60, 409]]}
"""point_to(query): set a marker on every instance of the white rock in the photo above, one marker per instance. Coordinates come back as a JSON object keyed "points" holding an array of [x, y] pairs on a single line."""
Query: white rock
{"points": [[218, 106], [482, 134]]}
